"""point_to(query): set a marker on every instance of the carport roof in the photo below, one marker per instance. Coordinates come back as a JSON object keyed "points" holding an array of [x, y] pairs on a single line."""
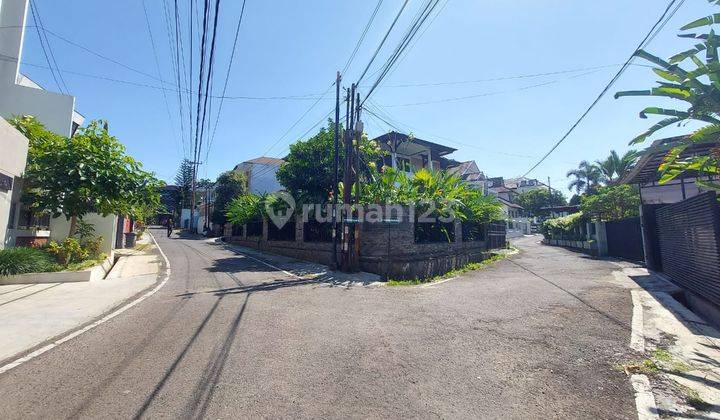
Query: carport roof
{"points": [[646, 169]]}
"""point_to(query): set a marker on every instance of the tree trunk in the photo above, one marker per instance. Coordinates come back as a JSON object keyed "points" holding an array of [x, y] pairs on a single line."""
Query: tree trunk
{"points": [[73, 226]]}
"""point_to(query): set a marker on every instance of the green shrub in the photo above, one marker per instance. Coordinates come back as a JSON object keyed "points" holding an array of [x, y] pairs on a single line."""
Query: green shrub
{"points": [[68, 251], [566, 227], [25, 260]]}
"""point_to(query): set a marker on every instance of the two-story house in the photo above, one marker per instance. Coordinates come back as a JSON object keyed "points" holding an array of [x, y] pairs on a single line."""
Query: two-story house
{"points": [[409, 154]]}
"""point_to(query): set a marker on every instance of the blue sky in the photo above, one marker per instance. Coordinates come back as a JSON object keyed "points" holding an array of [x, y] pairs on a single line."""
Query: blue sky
{"points": [[291, 48]]}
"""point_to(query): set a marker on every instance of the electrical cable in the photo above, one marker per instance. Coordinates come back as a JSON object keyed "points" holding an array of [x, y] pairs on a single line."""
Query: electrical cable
{"points": [[650, 35]]}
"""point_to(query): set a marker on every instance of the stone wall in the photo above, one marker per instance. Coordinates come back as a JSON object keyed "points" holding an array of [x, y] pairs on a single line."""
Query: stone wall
{"points": [[386, 248]]}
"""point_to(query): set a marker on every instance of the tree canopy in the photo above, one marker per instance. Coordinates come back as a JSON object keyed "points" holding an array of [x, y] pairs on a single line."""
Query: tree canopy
{"points": [[535, 200], [228, 186], [612, 203], [699, 88], [88, 172]]}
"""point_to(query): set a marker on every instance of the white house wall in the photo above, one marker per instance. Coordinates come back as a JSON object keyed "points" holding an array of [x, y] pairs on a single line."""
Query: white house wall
{"points": [[54, 110], [105, 226], [263, 179], [14, 148]]}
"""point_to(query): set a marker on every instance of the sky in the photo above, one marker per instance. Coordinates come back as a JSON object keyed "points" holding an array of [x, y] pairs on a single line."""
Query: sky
{"points": [[293, 49]]}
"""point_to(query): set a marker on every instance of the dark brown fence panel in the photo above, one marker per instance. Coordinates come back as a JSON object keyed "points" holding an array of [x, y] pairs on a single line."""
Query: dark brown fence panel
{"points": [[625, 239], [286, 233], [689, 236], [496, 235]]}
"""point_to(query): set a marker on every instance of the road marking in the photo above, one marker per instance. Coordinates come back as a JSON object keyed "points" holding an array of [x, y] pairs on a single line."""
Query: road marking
{"points": [[106, 318], [644, 398], [437, 283], [637, 336]]}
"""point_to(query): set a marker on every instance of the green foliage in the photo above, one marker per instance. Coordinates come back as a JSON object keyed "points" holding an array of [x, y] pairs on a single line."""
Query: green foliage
{"points": [[307, 173], [566, 227], [88, 172], [68, 251], [587, 177], [25, 260], [699, 88], [469, 267], [228, 186], [183, 179], [612, 203], [245, 208], [615, 166], [535, 200], [447, 193]]}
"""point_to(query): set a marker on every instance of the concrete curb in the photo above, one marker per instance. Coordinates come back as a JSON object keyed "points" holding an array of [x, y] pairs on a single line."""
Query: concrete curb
{"points": [[31, 353]]}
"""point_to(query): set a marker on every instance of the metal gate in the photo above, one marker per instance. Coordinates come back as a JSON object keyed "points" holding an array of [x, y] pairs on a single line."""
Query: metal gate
{"points": [[496, 232], [624, 239], [689, 237]]}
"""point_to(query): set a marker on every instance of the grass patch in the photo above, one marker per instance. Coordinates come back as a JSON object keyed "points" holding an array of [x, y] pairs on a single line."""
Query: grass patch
{"points": [[662, 355], [646, 367], [469, 267]]}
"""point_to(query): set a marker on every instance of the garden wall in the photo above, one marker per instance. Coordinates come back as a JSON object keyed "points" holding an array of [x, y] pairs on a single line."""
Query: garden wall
{"points": [[387, 248]]}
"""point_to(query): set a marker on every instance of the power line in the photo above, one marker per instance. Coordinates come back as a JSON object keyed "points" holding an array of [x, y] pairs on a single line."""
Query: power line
{"points": [[382, 42], [504, 78], [36, 10], [157, 65], [227, 78], [402, 45], [650, 35], [500, 92], [42, 46], [97, 54], [362, 37], [208, 83]]}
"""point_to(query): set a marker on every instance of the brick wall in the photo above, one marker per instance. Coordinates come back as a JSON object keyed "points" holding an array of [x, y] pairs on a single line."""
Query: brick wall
{"points": [[387, 249]]}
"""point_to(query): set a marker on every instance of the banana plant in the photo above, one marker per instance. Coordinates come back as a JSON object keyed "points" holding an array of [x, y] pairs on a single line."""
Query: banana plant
{"points": [[699, 88]]}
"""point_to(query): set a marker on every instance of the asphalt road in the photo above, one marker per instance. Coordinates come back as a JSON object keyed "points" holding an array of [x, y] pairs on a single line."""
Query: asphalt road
{"points": [[229, 337]]}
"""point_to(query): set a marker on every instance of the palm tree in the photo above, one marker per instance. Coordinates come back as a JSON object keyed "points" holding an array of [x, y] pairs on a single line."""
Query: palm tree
{"points": [[615, 167], [587, 177], [699, 87]]}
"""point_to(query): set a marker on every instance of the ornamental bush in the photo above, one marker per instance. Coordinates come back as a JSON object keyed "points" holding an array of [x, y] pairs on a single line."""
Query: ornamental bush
{"points": [[566, 227], [25, 260]]}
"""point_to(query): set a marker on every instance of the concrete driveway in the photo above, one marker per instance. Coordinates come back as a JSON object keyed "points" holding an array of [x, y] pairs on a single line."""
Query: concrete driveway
{"points": [[229, 336]]}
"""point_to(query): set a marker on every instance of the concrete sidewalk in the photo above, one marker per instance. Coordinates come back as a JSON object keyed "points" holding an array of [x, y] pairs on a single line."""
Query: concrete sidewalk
{"points": [[684, 349], [31, 315]]}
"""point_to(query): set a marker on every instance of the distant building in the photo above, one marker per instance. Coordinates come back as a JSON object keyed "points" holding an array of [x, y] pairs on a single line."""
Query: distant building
{"points": [[261, 174], [470, 173], [523, 184]]}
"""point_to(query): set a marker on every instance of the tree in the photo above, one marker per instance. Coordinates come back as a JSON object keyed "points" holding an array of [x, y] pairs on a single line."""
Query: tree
{"points": [[88, 172], [612, 203], [308, 174], [228, 186], [587, 177], [183, 179], [535, 200], [699, 87], [615, 166]]}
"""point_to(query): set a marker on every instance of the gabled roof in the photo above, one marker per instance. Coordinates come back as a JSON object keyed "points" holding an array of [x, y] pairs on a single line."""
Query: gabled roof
{"points": [[509, 204], [264, 160], [440, 149], [646, 169]]}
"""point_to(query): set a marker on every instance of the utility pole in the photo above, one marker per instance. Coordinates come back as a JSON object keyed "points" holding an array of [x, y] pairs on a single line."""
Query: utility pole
{"points": [[549, 188], [358, 130], [336, 169], [347, 233]]}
